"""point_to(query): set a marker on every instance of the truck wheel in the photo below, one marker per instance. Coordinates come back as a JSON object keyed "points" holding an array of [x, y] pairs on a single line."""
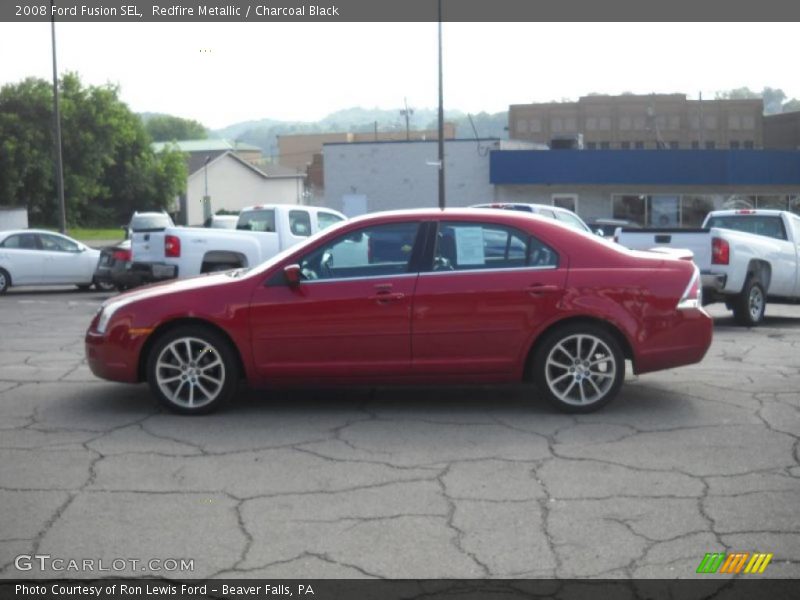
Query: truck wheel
{"points": [[192, 370], [5, 281], [579, 368], [749, 306], [104, 286]]}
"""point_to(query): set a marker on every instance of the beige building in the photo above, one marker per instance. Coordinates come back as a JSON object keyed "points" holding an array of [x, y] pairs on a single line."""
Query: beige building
{"points": [[297, 151], [643, 122]]}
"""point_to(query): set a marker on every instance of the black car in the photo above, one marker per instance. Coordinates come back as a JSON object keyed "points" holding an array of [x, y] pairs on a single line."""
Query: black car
{"points": [[113, 268]]}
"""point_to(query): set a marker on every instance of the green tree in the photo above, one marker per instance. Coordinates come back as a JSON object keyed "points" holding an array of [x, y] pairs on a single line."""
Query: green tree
{"points": [[109, 165], [167, 128]]}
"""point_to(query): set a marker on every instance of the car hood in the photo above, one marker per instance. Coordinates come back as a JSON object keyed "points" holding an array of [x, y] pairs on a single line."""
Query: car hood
{"points": [[171, 288]]}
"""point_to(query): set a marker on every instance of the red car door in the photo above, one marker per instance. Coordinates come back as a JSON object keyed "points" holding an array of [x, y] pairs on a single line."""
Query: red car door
{"points": [[349, 317], [490, 287]]}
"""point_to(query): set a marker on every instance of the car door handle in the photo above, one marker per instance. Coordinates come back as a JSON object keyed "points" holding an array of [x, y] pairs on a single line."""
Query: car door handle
{"points": [[387, 296], [542, 288]]}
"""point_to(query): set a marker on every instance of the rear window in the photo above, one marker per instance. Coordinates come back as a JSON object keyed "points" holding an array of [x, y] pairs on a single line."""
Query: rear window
{"points": [[150, 222], [300, 222], [326, 219], [257, 220], [760, 225]]}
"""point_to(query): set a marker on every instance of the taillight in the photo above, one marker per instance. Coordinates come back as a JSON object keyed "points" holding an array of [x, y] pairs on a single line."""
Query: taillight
{"points": [[693, 295], [720, 251], [122, 255], [172, 246]]}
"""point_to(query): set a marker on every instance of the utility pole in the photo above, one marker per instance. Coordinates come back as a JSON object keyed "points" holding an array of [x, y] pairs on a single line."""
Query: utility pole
{"points": [[62, 209], [441, 116], [407, 114]]}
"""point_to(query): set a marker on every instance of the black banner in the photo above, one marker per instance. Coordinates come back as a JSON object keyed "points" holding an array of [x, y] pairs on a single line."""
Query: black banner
{"points": [[396, 10], [407, 589]]}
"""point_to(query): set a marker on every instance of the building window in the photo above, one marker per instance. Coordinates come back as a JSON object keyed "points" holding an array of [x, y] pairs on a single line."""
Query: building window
{"points": [[591, 123], [695, 145], [625, 123], [571, 124], [535, 125], [639, 145], [694, 210], [663, 211], [556, 124], [568, 201], [734, 144], [605, 146], [630, 208], [710, 121], [734, 122], [748, 144], [674, 145], [604, 124], [522, 126], [776, 202], [793, 204], [748, 122], [639, 123], [591, 145], [711, 145], [626, 145]]}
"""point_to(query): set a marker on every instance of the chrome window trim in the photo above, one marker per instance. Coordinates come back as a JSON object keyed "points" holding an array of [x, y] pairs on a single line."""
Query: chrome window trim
{"points": [[364, 278], [492, 270]]}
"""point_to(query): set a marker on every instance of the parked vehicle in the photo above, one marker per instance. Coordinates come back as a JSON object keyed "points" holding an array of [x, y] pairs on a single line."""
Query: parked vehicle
{"points": [[746, 257], [567, 217], [113, 268], [222, 221], [261, 232], [478, 297], [34, 257], [148, 222]]}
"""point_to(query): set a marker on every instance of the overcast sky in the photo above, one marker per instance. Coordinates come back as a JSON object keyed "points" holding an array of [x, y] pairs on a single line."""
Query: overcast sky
{"points": [[220, 74]]}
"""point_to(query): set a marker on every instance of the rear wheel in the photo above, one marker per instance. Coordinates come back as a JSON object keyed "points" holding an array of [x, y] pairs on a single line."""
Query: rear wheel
{"points": [[104, 286], [192, 370], [749, 306], [5, 281], [579, 368]]}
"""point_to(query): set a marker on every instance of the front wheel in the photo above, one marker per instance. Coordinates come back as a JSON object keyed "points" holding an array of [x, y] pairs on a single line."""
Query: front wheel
{"points": [[192, 370], [5, 281], [579, 368], [749, 306]]}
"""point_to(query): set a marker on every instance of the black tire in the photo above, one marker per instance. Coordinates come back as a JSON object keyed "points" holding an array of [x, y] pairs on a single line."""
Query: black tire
{"points": [[5, 281], [750, 305], [169, 355], [104, 286], [588, 385], [85, 288]]}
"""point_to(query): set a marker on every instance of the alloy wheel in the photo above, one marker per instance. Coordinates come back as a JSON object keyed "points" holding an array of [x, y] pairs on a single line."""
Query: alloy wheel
{"points": [[580, 369]]}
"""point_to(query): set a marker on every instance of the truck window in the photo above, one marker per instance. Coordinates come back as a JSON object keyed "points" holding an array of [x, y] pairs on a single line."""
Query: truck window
{"points": [[300, 222], [757, 224], [150, 222], [257, 220], [326, 219]]}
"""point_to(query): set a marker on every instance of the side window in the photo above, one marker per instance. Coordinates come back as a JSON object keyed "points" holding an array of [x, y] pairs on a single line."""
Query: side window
{"points": [[377, 251], [326, 219], [21, 241], [12, 241], [257, 220], [469, 246], [55, 243], [300, 222]]}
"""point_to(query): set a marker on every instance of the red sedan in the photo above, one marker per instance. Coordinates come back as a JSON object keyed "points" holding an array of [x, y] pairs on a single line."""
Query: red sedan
{"points": [[422, 296]]}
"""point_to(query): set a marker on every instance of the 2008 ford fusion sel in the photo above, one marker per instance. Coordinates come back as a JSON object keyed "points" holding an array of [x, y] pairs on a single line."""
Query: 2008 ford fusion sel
{"points": [[412, 297]]}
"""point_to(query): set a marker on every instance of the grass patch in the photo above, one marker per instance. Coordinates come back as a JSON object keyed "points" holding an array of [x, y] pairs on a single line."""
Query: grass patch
{"points": [[80, 233]]}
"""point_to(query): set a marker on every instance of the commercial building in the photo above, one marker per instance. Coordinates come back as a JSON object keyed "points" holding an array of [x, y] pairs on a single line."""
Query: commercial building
{"points": [[782, 131], [643, 122]]}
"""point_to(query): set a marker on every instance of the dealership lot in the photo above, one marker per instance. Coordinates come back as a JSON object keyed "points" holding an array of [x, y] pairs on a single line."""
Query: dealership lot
{"points": [[468, 482]]}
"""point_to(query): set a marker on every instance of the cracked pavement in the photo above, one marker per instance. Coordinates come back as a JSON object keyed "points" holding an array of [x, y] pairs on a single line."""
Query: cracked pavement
{"points": [[399, 483]]}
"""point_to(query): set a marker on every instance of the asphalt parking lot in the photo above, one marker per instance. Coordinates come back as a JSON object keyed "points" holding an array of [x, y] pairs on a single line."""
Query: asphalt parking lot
{"points": [[405, 483]]}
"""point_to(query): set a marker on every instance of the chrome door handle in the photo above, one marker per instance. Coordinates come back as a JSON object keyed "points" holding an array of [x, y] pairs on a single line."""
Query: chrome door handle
{"points": [[387, 296], [542, 288]]}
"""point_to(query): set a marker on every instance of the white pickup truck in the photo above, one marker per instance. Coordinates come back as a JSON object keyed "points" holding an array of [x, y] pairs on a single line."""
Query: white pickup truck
{"points": [[746, 257], [261, 232]]}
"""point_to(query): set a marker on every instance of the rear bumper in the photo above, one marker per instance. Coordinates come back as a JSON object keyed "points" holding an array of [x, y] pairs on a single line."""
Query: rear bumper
{"points": [[684, 340], [713, 282], [150, 272]]}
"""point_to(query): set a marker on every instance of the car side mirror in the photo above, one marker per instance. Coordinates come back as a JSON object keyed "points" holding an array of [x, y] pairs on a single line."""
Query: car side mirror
{"points": [[293, 275]]}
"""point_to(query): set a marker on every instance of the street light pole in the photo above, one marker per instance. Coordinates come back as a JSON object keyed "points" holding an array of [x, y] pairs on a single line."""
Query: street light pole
{"points": [[62, 209], [441, 116]]}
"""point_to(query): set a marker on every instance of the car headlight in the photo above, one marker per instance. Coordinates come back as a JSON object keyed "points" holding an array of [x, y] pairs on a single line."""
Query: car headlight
{"points": [[106, 312]]}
